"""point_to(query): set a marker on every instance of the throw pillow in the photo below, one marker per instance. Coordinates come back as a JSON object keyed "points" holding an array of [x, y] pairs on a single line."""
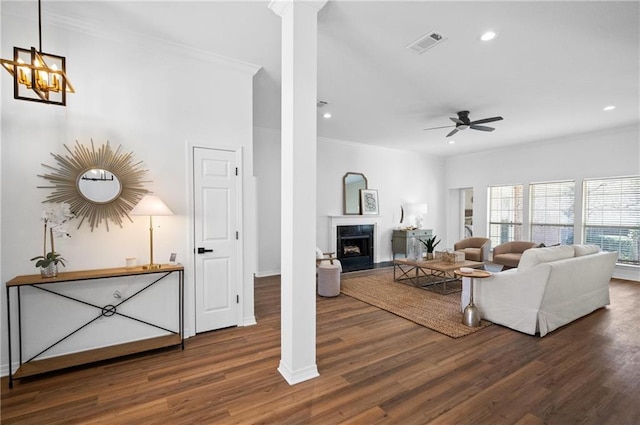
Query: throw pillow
{"points": [[586, 249]]}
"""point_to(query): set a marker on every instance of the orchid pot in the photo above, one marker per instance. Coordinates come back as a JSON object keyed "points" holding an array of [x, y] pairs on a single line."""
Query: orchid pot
{"points": [[54, 219]]}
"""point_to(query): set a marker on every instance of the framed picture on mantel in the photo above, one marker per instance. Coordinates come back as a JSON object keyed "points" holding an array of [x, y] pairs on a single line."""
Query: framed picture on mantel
{"points": [[369, 201]]}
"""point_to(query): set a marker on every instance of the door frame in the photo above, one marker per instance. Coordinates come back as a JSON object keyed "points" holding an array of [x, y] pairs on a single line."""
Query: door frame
{"points": [[462, 213], [190, 257]]}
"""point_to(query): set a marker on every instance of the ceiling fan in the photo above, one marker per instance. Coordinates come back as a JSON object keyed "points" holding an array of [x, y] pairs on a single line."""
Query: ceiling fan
{"points": [[463, 122]]}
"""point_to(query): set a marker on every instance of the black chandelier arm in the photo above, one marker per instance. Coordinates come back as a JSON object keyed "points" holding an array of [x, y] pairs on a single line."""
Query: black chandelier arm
{"points": [[39, 26]]}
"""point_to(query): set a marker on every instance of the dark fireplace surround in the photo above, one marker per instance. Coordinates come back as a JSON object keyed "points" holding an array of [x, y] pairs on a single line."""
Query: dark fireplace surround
{"points": [[355, 244]]}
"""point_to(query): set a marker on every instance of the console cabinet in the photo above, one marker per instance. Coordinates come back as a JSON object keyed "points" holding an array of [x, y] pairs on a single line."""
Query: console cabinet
{"points": [[401, 240]]}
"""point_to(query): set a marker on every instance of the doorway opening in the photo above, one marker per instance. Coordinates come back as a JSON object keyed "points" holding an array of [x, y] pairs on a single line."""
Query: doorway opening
{"points": [[467, 212]]}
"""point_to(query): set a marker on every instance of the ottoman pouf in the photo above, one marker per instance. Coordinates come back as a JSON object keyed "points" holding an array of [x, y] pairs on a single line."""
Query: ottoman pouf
{"points": [[328, 280]]}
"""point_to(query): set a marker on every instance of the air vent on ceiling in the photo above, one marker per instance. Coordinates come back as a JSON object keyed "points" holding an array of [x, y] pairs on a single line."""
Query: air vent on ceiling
{"points": [[426, 42]]}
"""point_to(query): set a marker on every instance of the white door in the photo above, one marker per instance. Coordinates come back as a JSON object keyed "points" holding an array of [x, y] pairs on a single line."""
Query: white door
{"points": [[215, 236]]}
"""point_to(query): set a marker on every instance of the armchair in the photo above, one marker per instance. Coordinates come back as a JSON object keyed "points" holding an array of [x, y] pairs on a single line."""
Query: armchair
{"points": [[475, 249], [327, 258], [508, 254]]}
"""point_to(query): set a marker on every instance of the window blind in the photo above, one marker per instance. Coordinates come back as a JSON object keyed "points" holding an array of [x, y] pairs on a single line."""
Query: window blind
{"points": [[612, 216], [505, 213], [552, 206]]}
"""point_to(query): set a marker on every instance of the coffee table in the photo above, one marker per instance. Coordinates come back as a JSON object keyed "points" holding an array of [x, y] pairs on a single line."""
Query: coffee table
{"points": [[430, 272]]}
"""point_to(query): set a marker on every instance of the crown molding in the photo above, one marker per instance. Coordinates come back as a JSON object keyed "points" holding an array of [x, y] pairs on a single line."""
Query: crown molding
{"points": [[97, 30]]}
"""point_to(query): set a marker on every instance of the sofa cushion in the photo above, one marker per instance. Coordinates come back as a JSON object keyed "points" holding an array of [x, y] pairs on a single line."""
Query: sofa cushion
{"points": [[585, 249], [532, 257]]}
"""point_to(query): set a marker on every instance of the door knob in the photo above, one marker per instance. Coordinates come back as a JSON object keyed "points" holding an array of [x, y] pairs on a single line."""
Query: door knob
{"points": [[201, 250]]}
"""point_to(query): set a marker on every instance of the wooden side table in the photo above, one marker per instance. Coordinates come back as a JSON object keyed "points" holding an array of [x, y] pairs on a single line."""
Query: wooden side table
{"points": [[471, 315]]}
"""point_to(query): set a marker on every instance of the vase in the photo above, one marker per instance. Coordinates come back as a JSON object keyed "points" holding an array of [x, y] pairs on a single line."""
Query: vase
{"points": [[417, 249], [50, 271], [429, 255]]}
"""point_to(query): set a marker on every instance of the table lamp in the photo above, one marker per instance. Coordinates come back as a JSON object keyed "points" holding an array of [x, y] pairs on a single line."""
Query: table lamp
{"points": [[151, 205], [416, 211]]}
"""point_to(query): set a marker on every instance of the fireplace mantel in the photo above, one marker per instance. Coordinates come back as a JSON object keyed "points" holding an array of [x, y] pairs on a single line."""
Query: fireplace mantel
{"points": [[352, 220]]}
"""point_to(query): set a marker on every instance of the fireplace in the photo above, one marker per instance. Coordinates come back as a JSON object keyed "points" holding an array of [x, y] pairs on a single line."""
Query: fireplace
{"points": [[355, 244]]}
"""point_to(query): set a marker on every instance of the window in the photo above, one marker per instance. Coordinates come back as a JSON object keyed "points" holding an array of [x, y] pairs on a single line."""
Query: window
{"points": [[552, 212], [505, 213], [612, 216]]}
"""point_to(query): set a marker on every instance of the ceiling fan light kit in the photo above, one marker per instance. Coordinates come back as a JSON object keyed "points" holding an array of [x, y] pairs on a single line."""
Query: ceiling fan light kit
{"points": [[462, 122]]}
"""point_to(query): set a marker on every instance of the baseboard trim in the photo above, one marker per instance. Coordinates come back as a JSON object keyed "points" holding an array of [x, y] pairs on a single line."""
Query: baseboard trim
{"points": [[298, 376], [627, 272]]}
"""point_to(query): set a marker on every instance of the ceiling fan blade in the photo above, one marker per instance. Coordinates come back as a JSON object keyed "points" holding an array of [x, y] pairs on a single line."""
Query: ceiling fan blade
{"points": [[434, 128], [456, 120], [486, 120], [482, 128], [454, 131]]}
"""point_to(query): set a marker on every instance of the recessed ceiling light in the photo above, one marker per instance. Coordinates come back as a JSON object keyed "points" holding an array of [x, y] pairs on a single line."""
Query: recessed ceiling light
{"points": [[609, 108], [451, 142], [489, 35], [326, 115]]}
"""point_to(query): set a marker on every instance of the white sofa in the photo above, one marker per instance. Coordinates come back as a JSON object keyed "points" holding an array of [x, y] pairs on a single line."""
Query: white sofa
{"points": [[551, 287]]}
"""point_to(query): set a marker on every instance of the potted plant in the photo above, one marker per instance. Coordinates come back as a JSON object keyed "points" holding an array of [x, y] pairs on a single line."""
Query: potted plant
{"points": [[55, 218], [430, 244]]}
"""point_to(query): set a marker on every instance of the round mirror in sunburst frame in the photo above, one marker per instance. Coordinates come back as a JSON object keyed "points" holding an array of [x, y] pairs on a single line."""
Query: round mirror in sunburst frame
{"points": [[98, 184]]}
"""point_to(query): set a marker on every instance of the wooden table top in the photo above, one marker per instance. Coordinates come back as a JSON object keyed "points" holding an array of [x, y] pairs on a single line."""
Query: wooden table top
{"points": [[91, 274], [476, 273]]}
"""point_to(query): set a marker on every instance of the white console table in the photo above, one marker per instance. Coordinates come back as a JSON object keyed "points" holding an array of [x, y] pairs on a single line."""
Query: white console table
{"points": [[34, 366]]}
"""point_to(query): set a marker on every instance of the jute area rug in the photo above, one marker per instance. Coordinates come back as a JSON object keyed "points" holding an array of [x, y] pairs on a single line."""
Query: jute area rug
{"points": [[437, 312]]}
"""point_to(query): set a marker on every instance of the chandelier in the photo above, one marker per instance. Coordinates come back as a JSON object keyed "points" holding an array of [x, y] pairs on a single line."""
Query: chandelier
{"points": [[38, 76]]}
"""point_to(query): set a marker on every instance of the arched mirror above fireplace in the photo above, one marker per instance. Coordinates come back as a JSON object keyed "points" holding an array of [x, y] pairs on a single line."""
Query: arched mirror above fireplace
{"points": [[352, 183]]}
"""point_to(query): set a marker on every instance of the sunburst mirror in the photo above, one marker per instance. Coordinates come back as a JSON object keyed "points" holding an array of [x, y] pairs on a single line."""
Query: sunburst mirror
{"points": [[99, 185]]}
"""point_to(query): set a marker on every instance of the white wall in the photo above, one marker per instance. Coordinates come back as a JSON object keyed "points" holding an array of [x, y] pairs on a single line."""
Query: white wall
{"points": [[267, 170], [132, 92], [399, 177], [606, 153], [402, 176]]}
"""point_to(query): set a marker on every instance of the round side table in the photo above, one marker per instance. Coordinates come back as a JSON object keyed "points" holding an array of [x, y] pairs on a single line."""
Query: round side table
{"points": [[471, 315]]}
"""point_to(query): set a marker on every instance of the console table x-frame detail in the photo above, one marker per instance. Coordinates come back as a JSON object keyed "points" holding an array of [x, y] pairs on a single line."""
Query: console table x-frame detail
{"points": [[33, 366]]}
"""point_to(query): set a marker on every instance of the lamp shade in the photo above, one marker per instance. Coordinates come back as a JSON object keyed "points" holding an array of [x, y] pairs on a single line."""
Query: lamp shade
{"points": [[151, 205]]}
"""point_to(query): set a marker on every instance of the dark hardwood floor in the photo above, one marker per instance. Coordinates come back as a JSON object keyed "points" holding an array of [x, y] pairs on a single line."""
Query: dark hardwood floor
{"points": [[374, 368]]}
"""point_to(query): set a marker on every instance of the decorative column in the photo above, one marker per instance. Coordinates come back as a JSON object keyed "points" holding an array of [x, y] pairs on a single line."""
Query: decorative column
{"points": [[298, 216]]}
